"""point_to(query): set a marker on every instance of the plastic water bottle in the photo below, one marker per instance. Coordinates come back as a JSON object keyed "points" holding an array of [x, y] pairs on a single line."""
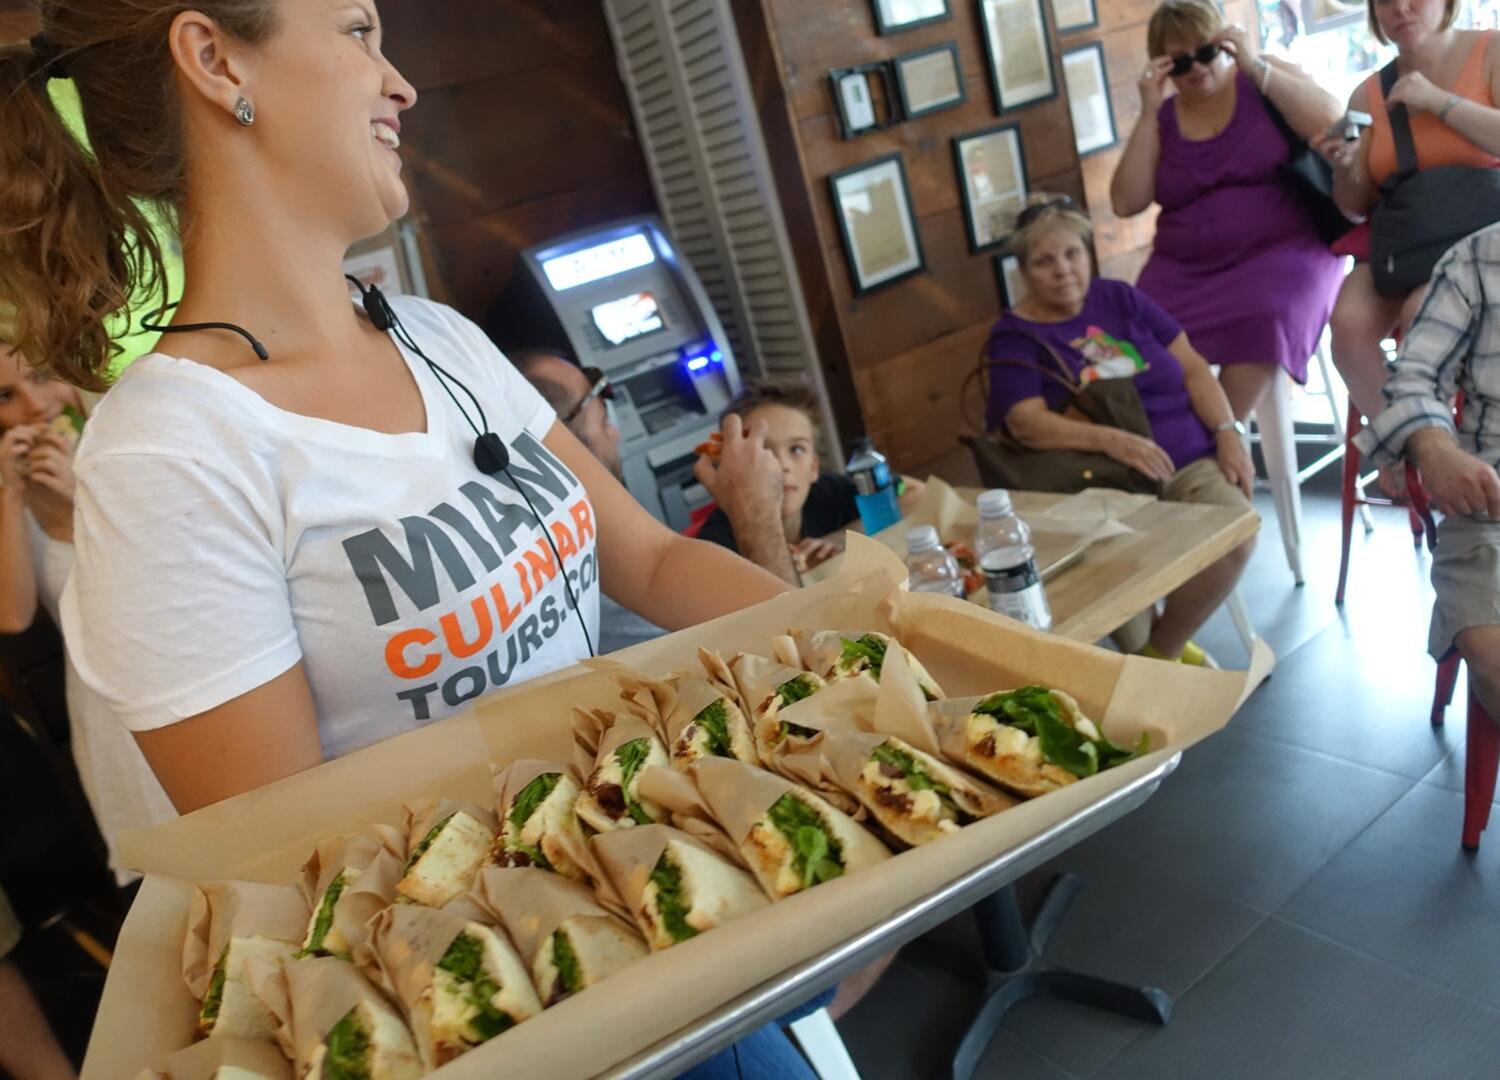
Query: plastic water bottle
{"points": [[930, 566], [1002, 543], [874, 489]]}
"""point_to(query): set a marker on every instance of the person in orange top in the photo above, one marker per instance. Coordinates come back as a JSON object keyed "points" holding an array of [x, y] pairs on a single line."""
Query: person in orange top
{"points": [[1449, 82]]}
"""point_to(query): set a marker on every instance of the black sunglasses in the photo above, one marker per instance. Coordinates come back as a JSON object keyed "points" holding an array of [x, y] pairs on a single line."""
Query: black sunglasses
{"points": [[1182, 63], [1032, 213], [599, 387]]}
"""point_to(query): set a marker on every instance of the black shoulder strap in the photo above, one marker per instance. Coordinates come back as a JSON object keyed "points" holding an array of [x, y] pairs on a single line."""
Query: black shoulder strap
{"points": [[1406, 148]]}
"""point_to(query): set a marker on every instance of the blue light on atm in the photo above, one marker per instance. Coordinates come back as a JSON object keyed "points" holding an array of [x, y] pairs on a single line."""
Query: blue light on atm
{"points": [[716, 356], [697, 363]]}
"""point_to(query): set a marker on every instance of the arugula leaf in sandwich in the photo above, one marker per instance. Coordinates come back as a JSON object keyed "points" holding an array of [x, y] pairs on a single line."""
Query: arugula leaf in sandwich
{"points": [[788, 693], [535, 826], [866, 654], [691, 890], [479, 989], [802, 841], [323, 938], [719, 729], [583, 950], [611, 798], [916, 797], [230, 1007], [369, 1042], [1035, 740], [444, 863]]}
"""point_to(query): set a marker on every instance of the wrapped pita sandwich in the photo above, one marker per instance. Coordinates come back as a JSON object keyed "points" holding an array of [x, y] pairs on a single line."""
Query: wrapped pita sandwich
{"points": [[696, 717], [539, 825], [675, 886], [765, 688], [789, 837], [560, 930], [346, 882], [230, 923], [833, 656], [447, 843], [611, 797], [334, 1024], [459, 982], [1029, 741], [223, 1058], [912, 795]]}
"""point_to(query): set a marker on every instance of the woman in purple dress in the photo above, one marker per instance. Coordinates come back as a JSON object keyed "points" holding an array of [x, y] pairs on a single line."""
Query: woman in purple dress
{"points": [[1237, 259]]}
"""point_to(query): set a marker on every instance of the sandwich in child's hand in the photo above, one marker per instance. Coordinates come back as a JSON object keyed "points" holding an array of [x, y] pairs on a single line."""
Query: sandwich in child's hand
{"points": [[1030, 741], [835, 656], [559, 929], [68, 425], [229, 924], [675, 886], [611, 798], [449, 843], [791, 838], [460, 982], [538, 822]]}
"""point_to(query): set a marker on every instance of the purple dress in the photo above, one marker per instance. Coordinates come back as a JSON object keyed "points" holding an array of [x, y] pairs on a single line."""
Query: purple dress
{"points": [[1237, 260]]}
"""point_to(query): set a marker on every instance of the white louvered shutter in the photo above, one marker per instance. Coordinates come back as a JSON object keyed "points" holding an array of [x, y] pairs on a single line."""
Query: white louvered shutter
{"points": [[681, 64]]}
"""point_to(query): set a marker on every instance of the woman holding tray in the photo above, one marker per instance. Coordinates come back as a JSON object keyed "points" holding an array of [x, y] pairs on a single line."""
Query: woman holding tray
{"points": [[283, 559], [1100, 329]]}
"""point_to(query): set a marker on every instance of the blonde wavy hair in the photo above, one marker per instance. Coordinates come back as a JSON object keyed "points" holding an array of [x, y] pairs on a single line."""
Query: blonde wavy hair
{"points": [[1183, 20], [1044, 212]]}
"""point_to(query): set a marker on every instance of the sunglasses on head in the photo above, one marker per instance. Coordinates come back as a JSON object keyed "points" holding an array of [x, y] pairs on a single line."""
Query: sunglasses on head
{"points": [[1182, 63], [1032, 213], [599, 387]]}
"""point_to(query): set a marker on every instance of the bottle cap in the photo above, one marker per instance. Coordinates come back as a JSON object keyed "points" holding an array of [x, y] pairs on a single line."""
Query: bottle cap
{"points": [[995, 503], [923, 538]]}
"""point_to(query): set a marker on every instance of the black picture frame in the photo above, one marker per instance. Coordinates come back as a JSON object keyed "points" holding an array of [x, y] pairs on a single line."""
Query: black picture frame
{"points": [[863, 283], [1073, 28], [884, 26], [898, 72], [1005, 263], [982, 236], [850, 127], [1007, 103], [1075, 102]]}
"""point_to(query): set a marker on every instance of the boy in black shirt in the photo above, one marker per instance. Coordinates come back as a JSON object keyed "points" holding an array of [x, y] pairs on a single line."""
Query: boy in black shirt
{"points": [[816, 507]]}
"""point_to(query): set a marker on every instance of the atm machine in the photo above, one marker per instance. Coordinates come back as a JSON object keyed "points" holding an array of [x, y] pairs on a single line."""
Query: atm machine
{"points": [[625, 302]]}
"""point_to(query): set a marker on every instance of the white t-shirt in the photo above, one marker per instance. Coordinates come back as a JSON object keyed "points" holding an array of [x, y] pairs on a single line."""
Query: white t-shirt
{"points": [[221, 540], [121, 789]]}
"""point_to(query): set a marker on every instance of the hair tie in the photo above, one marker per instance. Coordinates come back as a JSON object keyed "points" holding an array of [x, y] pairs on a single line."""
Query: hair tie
{"points": [[47, 58]]}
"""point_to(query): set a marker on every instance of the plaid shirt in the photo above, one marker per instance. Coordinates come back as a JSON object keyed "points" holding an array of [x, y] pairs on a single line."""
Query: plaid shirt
{"points": [[1453, 345]]}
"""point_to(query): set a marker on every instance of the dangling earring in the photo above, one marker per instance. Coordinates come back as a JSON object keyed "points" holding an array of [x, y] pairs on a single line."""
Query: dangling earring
{"points": [[244, 112]]}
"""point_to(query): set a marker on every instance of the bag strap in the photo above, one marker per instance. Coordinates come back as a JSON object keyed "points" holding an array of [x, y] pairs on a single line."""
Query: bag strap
{"points": [[1064, 375], [1406, 147]]}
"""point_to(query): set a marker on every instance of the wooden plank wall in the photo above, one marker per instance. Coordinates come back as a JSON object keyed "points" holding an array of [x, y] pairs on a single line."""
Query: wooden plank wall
{"points": [[906, 350], [522, 131]]}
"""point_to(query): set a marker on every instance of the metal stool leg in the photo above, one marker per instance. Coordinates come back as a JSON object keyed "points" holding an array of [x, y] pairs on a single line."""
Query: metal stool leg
{"points": [[1278, 443], [1241, 616], [1349, 493]]}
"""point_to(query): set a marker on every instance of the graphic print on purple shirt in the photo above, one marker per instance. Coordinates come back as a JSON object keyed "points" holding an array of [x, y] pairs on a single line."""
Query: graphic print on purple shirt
{"points": [[1119, 329]]}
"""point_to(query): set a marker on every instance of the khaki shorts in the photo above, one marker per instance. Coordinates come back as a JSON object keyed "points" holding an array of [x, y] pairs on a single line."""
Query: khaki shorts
{"points": [[1204, 482], [1466, 578], [10, 927]]}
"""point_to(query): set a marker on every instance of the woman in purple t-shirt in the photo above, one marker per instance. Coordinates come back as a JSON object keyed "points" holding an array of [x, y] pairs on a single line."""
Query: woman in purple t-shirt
{"points": [[1107, 329]]}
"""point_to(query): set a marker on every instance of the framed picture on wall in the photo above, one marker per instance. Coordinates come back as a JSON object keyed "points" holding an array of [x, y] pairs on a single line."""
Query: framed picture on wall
{"points": [[879, 228], [929, 80], [863, 98], [1015, 40], [1071, 15], [1009, 280], [894, 16], [992, 176], [1093, 112]]}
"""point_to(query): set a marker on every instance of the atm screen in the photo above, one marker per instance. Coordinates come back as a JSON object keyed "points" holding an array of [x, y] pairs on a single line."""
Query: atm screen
{"points": [[628, 318]]}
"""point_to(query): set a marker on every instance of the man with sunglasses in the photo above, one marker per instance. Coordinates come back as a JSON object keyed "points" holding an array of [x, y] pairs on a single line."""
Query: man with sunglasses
{"points": [[1237, 259]]}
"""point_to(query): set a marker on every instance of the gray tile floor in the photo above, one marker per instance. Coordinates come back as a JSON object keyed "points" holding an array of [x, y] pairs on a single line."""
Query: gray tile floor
{"points": [[1297, 885]]}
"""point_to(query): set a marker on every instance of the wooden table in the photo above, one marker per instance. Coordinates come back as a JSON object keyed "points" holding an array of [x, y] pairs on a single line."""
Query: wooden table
{"points": [[1122, 576]]}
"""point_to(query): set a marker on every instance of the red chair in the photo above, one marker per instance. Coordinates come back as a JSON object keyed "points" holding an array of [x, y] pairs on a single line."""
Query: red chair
{"points": [[1418, 509], [1481, 756], [697, 519]]}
